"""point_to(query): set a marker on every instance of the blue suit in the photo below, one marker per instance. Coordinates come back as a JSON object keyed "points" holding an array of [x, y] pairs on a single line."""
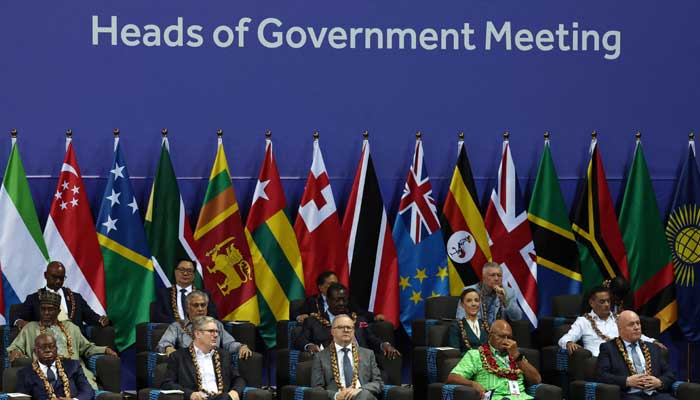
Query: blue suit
{"points": [[28, 382]]}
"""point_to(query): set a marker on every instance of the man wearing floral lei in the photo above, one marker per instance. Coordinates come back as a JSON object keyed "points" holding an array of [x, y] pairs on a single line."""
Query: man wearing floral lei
{"points": [[638, 368], [70, 341], [497, 367], [203, 370], [50, 377]]}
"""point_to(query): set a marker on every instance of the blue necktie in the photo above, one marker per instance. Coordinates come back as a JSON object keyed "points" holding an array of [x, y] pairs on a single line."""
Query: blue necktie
{"points": [[635, 359], [347, 367], [51, 377], [182, 300]]}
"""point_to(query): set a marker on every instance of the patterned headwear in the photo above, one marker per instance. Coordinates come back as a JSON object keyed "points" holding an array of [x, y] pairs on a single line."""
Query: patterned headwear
{"points": [[50, 298]]}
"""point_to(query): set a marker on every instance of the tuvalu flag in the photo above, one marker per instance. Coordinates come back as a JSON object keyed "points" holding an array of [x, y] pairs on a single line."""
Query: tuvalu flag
{"points": [[683, 236], [601, 250], [651, 269], [167, 227], [227, 265], [558, 269], [278, 268], [317, 227], [466, 239], [71, 237]]}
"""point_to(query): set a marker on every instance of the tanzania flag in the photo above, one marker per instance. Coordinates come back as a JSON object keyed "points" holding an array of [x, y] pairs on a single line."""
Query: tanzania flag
{"points": [[558, 270], [602, 253], [463, 230], [167, 227], [227, 264], [651, 269], [683, 235], [275, 251], [128, 265]]}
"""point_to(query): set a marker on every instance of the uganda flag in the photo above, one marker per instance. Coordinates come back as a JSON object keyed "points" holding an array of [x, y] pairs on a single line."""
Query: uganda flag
{"points": [[601, 251], [227, 266], [558, 270], [463, 230], [274, 248], [651, 269]]}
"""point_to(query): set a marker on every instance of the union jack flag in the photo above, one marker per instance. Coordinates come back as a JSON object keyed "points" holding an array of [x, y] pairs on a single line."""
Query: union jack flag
{"points": [[417, 207]]}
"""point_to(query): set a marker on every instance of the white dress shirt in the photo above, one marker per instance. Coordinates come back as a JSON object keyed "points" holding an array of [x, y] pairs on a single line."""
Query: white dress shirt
{"points": [[581, 329], [640, 354], [180, 306], [474, 325], [339, 354], [206, 369]]}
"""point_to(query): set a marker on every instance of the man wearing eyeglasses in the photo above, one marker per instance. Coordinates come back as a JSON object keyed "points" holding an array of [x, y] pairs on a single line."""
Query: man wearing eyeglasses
{"points": [[170, 302], [179, 333], [203, 370], [345, 370]]}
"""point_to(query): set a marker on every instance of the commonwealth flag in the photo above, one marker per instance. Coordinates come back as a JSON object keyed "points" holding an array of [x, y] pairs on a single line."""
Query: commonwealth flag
{"points": [[683, 235], [466, 240], [558, 270], [127, 260], [227, 264], [601, 251], [651, 269], [280, 278]]}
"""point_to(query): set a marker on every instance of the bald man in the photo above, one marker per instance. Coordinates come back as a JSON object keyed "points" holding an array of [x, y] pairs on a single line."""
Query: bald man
{"points": [[506, 379], [637, 367]]}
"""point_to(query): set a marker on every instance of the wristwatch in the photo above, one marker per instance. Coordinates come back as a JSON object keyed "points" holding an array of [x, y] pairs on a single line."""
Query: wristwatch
{"points": [[520, 357]]}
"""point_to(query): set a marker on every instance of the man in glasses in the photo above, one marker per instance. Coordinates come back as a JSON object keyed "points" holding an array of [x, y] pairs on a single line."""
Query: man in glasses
{"points": [[72, 307], [170, 302], [179, 333], [203, 370]]}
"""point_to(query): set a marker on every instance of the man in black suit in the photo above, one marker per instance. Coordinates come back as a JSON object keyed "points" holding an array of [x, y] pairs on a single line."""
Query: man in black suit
{"points": [[635, 366], [202, 370], [73, 306], [170, 304], [48, 375], [316, 330]]}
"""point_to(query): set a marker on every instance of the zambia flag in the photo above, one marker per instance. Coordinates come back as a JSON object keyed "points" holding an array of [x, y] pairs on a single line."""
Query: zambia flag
{"points": [[602, 253], [463, 230], [273, 245], [558, 270], [651, 269]]}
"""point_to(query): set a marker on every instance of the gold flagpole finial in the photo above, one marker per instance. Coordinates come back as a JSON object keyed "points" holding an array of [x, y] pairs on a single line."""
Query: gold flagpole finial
{"points": [[268, 134], [365, 134], [316, 135], [164, 132], [546, 135], [219, 133], [418, 135], [69, 133], [594, 134], [506, 135], [691, 136], [461, 135], [13, 134], [638, 136], [115, 132]]}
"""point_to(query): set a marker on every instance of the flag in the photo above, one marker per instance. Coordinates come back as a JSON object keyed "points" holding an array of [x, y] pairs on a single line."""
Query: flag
{"points": [[23, 253], [274, 248], [419, 245], [374, 281], [601, 251], [71, 238], [317, 227], [223, 251], [466, 240], [648, 257], [683, 236], [558, 269], [509, 230], [129, 276], [166, 224]]}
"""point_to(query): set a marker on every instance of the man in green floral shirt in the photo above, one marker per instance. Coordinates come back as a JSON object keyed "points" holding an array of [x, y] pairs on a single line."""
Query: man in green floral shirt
{"points": [[497, 367]]}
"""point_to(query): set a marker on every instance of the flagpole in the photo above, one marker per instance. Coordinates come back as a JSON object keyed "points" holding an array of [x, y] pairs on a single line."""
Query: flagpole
{"points": [[115, 132], [594, 141], [13, 136], [220, 136], [546, 137], [164, 138], [418, 136], [69, 138], [316, 135]]}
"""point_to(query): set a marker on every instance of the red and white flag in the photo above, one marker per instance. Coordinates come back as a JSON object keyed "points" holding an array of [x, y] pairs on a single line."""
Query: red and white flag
{"points": [[374, 271], [511, 239], [70, 235], [317, 227]]}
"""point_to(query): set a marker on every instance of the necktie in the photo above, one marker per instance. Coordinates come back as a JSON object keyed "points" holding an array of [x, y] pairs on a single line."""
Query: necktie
{"points": [[51, 377], [182, 301], [635, 359], [347, 367]]}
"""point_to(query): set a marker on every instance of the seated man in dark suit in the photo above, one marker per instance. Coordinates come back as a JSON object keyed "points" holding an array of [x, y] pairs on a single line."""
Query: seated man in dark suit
{"points": [[73, 306], [316, 330], [344, 369], [202, 370], [635, 366], [170, 305], [50, 376]]}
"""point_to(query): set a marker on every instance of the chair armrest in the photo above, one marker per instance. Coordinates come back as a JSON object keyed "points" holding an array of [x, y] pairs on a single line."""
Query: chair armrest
{"points": [[146, 363], [293, 392], [101, 335], [251, 393], [251, 369], [439, 391], [107, 370], [105, 395], [582, 390], [392, 392], [544, 391], [243, 332], [686, 390], [150, 393]]}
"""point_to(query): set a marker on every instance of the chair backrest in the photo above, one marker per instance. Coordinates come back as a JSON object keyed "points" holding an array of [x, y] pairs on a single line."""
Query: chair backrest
{"points": [[589, 368], [9, 379], [304, 373], [568, 305], [560, 331], [651, 326], [441, 307], [384, 330], [450, 363], [148, 334], [243, 332], [14, 310], [295, 306], [437, 335]]}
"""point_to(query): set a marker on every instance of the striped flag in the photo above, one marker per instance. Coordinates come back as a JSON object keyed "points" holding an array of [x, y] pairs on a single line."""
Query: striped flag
{"points": [[129, 276], [508, 227], [278, 268], [71, 238], [166, 225], [374, 277], [23, 253], [223, 251], [466, 239]]}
